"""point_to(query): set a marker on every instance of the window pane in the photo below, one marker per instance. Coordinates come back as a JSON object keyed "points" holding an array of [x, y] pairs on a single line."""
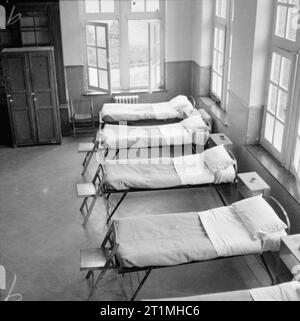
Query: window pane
{"points": [[152, 5], [269, 128], [214, 82], [91, 37], [93, 77], [291, 32], [278, 136], [138, 5], [138, 52], [285, 73], [281, 21], [276, 60], [297, 156], [107, 6], [220, 64], [219, 86], [101, 37], [103, 79], [272, 100], [92, 58], [282, 105], [102, 61], [221, 8], [91, 6]]}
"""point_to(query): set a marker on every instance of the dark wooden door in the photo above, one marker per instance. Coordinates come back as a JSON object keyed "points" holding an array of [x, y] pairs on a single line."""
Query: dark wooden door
{"points": [[18, 97], [44, 96]]}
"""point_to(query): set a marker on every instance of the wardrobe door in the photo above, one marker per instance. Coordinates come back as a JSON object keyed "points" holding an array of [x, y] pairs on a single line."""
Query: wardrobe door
{"points": [[44, 96], [20, 107]]}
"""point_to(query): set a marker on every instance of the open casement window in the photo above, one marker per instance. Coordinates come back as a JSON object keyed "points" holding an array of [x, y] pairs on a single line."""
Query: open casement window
{"points": [[277, 114], [218, 69], [137, 51], [286, 20], [98, 65], [221, 52]]}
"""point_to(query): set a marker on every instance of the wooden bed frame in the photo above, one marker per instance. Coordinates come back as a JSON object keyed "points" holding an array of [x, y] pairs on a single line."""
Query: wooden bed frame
{"points": [[101, 189], [105, 257]]}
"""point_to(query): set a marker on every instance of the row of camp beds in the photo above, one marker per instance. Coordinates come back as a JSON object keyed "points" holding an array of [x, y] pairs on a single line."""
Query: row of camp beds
{"points": [[120, 132], [119, 254]]}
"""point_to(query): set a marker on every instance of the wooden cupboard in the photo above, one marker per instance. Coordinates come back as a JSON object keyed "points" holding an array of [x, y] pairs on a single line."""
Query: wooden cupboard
{"points": [[31, 89]]}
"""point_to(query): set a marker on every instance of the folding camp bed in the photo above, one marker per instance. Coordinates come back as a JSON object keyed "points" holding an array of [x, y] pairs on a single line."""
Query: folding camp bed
{"points": [[289, 291], [122, 137], [171, 111], [131, 176], [144, 243]]}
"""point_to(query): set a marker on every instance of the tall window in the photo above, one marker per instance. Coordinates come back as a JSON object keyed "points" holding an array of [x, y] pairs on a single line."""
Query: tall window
{"points": [[125, 44], [281, 128], [221, 50]]}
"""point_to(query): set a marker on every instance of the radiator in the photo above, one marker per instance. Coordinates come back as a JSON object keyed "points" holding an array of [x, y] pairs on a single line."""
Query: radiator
{"points": [[126, 99]]}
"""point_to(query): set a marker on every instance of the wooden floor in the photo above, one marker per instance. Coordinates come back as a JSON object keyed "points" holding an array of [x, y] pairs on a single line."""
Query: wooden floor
{"points": [[41, 233]]}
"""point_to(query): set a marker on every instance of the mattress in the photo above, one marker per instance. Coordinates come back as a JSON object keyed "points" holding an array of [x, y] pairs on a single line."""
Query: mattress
{"points": [[174, 239], [124, 137], [157, 173], [243, 295], [135, 112], [283, 292]]}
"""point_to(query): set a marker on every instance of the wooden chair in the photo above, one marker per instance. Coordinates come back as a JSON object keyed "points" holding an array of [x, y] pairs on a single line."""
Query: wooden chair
{"points": [[90, 191], [82, 116], [89, 149]]}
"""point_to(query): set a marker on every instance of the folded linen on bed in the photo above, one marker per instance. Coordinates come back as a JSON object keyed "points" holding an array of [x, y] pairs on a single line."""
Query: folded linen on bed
{"points": [[230, 237], [165, 111], [176, 134], [282, 292], [227, 233], [192, 170]]}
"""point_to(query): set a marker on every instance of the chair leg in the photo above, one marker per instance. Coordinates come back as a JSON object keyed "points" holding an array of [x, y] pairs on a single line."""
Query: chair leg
{"points": [[87, 162]]}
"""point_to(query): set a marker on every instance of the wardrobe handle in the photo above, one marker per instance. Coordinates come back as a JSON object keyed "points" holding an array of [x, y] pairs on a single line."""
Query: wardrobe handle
{"points": [[11, 101]]}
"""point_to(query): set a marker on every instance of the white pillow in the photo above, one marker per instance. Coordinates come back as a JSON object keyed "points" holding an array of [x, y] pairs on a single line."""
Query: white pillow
{"points": [[180, 102], [217, 158], [194, 122], [258, 217]]}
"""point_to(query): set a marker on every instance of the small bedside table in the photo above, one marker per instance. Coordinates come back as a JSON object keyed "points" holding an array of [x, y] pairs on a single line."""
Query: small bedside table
{"points": [[219, 139], [289, 254], [251, 184]]}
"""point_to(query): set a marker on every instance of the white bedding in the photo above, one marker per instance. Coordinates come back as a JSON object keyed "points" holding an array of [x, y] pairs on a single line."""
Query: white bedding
{"points": [[282, 292], [187, 166], [230, 237], [166, 240], [133, 112], [123, 137]]}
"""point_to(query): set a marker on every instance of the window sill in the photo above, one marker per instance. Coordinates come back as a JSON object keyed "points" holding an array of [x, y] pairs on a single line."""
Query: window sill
{"points": [[209, 104], [140, 91], [287, 180]]}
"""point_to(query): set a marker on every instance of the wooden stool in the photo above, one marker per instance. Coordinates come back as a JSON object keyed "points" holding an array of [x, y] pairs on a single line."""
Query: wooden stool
{"points": [[89, 191], [219, 139], [251, 184]]}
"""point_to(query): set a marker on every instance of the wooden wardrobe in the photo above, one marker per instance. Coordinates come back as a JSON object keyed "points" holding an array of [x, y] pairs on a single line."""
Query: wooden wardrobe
{"points": [[31, 88]]}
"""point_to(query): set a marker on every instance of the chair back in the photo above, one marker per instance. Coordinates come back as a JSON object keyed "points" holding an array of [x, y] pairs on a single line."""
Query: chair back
{"points": [[82, 106]]}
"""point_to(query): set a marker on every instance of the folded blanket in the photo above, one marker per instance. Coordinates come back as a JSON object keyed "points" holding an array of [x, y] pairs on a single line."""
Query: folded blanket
{"points": [[227, 233], [282, 292]]}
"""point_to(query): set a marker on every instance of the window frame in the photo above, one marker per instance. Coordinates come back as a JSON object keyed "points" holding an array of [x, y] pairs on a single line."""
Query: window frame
{"points": [[225, 24], [286, 157], [123, 15]]}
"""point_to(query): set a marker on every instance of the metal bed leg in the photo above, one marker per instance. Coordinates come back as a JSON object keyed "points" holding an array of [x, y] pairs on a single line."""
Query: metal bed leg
{"points": [[83, 205], [261, 256], [141, 285], [116, 207], [89, 212]]}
